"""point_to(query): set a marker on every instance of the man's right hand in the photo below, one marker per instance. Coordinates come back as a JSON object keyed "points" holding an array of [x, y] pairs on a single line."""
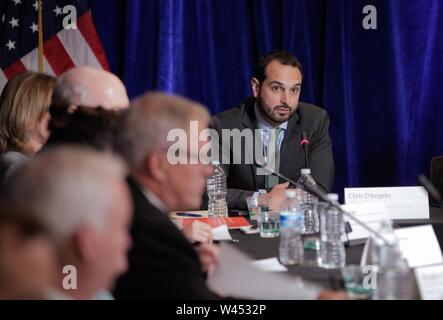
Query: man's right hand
{"points": [[277, 196], [198, 232]]}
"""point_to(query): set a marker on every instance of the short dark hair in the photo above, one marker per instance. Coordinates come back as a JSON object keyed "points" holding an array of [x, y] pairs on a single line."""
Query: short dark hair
{"points": [[91, 127], [284, 57]]}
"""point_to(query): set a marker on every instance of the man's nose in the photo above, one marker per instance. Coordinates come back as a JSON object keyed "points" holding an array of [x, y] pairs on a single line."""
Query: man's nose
{"points": [[284, 98]]}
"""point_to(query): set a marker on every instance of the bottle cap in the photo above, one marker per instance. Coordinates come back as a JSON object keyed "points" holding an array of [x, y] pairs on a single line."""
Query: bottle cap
{"points": [[333, 197], [305, 171], [291, 193]]}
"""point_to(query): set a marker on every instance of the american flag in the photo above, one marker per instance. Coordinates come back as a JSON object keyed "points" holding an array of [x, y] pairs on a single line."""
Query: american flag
{"points": [[64, 48]]}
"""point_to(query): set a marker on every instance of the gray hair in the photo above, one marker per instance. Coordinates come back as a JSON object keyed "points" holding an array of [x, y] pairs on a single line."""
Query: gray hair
{"points": [[67, 187], [144, 127]]}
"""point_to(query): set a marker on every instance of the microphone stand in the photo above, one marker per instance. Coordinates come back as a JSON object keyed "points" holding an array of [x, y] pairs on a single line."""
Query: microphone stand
{"points": [[432, 191], [323, 196], [305, 144]]}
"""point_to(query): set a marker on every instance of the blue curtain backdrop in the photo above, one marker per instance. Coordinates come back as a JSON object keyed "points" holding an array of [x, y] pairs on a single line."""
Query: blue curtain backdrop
{"points": [[382, 88]]}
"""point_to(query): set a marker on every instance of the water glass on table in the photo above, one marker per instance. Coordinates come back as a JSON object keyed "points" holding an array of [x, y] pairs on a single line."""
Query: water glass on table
{"points": [[253, 208], [269, 223], [357, 282]]}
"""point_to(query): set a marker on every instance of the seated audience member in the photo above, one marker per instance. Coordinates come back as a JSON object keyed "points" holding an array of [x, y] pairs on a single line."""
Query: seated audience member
{"points": [[89, 87], [93, 127], [85, 106], [27, 256], [24, 116], [82, 199], [163, 264]]}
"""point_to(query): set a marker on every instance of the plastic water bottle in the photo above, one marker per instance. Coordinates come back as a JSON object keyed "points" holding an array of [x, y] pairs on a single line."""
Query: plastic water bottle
{"points": [[396, 281], [394, 276], [332, 249], [383, 249], [291, 222], [309, 204], [216, 189]]}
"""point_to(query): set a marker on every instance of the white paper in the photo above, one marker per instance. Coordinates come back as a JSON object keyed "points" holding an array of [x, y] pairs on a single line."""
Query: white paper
{"points": [[236, 277], [402, 202], [371, 214], [419, 246], [269, 265], [430, 282], [221, 233]]}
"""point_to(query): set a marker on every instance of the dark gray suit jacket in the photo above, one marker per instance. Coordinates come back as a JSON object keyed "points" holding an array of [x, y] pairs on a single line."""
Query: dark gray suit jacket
{"points": [[163, 264], [242, 179]]}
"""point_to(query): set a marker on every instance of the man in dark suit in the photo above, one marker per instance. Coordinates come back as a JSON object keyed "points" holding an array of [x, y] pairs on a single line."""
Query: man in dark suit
{"points": [[163, 264], [279, 123]]}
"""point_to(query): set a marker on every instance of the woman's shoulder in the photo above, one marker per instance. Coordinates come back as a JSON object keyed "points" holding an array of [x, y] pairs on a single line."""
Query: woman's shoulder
{"points": [[12, 157]]}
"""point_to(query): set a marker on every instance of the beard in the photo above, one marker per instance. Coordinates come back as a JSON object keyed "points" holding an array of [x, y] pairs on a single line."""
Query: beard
{"points": [[278, 114]]}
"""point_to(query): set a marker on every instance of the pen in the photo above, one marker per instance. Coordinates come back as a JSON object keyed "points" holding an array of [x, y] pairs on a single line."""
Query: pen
{"points": [[187, 214], [229, 241]]}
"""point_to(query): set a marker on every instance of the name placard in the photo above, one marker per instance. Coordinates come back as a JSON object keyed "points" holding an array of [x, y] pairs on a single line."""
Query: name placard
{"points": [[401, 202]]}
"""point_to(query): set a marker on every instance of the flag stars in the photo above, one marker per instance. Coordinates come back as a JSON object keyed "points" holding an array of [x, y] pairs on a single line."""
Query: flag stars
{"points": [[14, 22], [35, 5], [57, 11], [3, 18], [17, 2], [11, 45], [34, 27]]}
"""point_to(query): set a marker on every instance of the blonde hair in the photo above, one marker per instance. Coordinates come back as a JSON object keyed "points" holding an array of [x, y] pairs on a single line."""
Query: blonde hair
{"points": [[23, 102]]}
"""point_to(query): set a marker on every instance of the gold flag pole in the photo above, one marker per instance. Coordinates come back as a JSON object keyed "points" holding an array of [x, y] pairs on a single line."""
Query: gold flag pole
{"points": [[41, 67]]}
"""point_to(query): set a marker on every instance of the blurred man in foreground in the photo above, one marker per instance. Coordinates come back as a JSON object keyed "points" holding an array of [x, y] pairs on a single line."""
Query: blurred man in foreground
{"points": [[163, 263], [27, 256], [82, 199]]}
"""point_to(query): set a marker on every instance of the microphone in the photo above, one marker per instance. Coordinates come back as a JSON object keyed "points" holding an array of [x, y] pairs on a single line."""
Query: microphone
{"points": [[433, 192], [324, 197], [305, 144]]}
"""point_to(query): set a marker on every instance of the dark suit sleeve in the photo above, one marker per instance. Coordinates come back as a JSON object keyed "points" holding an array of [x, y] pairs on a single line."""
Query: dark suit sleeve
{"points": [[321, 157], [235, 197]]}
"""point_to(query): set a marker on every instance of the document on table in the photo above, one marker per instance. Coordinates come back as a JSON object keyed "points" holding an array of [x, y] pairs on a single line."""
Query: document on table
{"points": [[430, 282], [236, 277], [419, 246], [221, 233], [269, 265]]}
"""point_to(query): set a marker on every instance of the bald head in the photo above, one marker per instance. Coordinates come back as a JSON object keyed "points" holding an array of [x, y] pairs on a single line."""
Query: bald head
{"points": [[89, 87]]}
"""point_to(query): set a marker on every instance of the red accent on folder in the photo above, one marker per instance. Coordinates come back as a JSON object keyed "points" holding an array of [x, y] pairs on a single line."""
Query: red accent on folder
{"points": [[232, 223]]}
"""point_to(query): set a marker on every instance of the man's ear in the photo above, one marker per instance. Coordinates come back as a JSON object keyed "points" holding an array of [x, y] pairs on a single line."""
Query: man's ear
{"points": [[156, 166], [84, 243], [255, 87]]}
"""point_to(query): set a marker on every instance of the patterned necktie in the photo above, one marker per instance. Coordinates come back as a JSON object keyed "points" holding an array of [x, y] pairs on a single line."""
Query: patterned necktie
{"points": [[273, 155]]}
